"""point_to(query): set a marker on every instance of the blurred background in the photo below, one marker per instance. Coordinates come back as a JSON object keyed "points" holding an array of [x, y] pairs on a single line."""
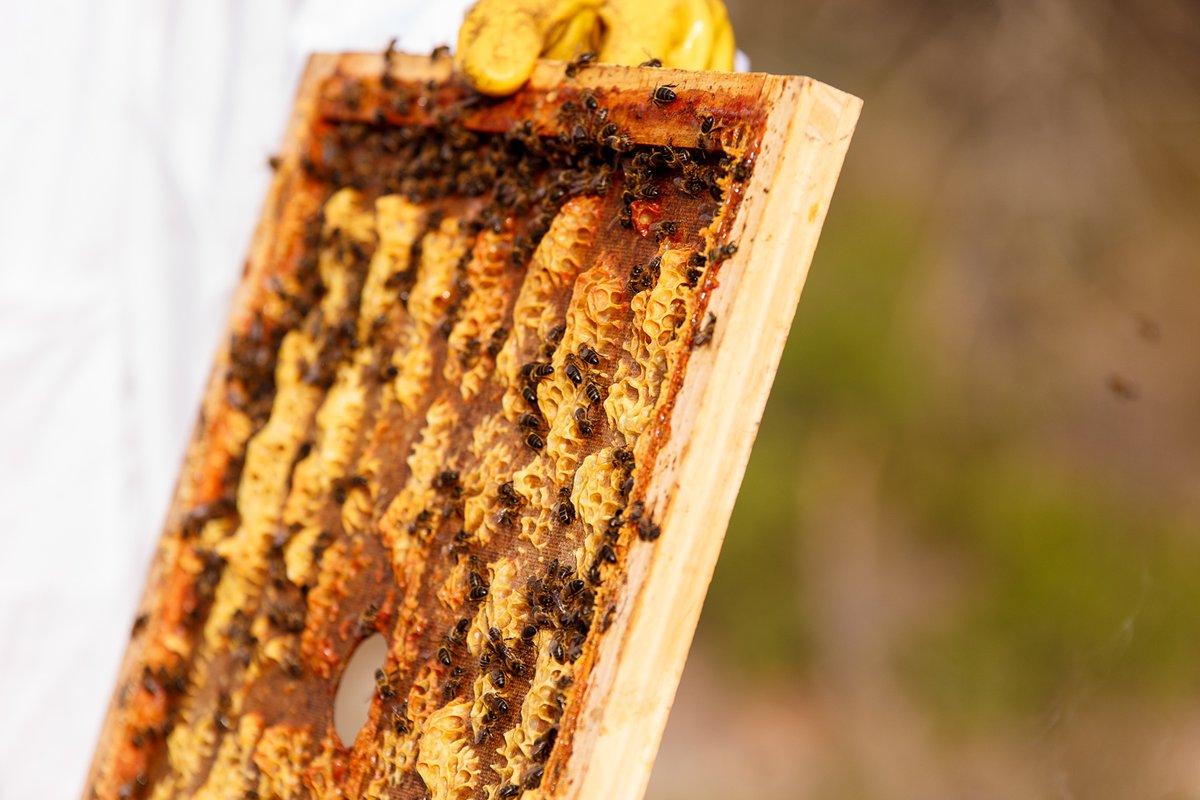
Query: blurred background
{"points": [[965, 562], [965, 558]]}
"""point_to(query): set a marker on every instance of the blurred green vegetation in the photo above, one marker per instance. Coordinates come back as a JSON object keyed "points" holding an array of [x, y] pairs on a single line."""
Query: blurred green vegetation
{"points": [[964, 559], [841, 361], [1072, 591], [1072, 584]]}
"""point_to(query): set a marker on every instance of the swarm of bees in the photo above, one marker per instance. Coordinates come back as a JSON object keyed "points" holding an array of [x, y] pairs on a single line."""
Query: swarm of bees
{"points": [[513, 187]]}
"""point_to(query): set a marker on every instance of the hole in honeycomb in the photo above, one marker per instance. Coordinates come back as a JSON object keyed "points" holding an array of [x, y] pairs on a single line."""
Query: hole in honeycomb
{"points": [[357, 687]]}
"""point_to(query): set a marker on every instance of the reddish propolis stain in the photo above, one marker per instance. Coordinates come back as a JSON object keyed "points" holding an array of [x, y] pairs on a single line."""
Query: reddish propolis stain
{"points": [[644, 214]]}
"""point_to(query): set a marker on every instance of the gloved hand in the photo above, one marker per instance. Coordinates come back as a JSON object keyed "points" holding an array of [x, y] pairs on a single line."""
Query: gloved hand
{"points": [[500, 40]]}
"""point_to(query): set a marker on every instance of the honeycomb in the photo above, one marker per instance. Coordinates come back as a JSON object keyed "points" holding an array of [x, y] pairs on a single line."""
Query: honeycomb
{"points": [[434, 420]]}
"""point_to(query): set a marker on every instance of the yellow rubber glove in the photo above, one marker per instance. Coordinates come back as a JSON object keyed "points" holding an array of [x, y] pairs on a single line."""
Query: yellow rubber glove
{"points": [[500, 40]]}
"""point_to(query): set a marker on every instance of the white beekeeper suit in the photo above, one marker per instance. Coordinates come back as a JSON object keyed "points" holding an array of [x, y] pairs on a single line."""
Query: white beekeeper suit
{"points": [[133, 143]]}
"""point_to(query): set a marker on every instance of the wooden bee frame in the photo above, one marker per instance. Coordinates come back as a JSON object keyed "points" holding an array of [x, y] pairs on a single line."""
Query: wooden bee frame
{"points": [[227, 685]]}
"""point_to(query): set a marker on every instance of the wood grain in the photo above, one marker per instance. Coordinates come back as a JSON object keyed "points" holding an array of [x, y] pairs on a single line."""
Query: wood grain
{"points": [[713, 426]]}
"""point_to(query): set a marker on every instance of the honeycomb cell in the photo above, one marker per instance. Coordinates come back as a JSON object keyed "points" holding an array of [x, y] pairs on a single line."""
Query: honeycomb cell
{"points": [[446, 762], [541, 712], [398, 224], [482, 314], [653, 345], [328, 464], [281, 755], [232, 772]]}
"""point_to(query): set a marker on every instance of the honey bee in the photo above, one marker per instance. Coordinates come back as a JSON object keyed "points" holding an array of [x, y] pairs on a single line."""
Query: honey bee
{"points": [[536, 370], [553, 337], [721, 253], [478, 588], [664, 229], [571, 369], [445, 480], [648, 530], [496, 341], [367, 619], [497, 678], [387, 80], [621, 143], [567, 111], [671, 157], [742, 169], [592, 390], [645, 191], [400, 721], [704, 334], [664, 94], [542, 746], [639, 280], [495, 702], [582, 422], [510, 496], [579, 62], [533, 778], [695, 268], [383, 684], [598, 184]]}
